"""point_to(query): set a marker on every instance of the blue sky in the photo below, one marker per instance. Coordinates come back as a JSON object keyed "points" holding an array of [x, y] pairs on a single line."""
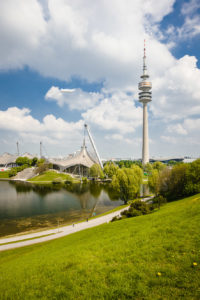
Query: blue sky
{"points": [[63, 64]]}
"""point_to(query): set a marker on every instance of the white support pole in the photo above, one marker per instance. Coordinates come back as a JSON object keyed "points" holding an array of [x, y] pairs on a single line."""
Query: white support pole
{"points": [[93, 145]]}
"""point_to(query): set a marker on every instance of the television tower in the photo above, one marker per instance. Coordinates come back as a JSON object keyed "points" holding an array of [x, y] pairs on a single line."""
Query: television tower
{"points": [[145, 97]]}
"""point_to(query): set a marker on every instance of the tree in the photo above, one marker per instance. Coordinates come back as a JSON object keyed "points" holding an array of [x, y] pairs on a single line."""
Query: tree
{"points": [[96, 171], [158, 165], [20, 161], [40, 161], [110, 169], [148, 168], [34, 161], [153, 182], [127, 182], [193, 178], [42, 168]]}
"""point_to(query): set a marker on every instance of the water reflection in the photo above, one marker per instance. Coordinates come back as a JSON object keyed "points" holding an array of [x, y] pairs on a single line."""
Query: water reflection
{"points": [[24, 206]]}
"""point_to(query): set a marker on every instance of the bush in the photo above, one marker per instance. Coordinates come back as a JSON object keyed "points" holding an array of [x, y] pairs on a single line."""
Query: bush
{"points": [[141, 206], [12, 172], [116, 218], [159, 200], [131, 212], [136, 209]]}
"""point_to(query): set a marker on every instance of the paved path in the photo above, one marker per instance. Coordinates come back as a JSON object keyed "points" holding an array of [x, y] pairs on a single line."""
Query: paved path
{"points": [[17, 241]]}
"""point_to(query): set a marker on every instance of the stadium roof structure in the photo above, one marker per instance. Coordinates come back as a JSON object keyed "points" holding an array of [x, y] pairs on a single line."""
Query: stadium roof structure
{"points": [[7, 158], [81, 158]]}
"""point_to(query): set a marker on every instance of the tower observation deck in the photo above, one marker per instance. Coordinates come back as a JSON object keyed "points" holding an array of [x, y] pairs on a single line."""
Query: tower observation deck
{"points": [[145, 97]]}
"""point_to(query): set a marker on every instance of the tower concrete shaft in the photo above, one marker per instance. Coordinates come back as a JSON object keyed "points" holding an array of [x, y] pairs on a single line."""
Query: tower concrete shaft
{"points": [[145, 97], [145, 144]]}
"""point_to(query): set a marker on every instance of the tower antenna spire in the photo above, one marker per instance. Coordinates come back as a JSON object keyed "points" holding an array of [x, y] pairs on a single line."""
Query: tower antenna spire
{"points": [[145, 97], [144, 60]]}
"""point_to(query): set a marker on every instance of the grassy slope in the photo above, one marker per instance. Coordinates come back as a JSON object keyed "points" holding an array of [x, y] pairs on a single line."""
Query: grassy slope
{"points": [[49, 176], [119, 260], [4, 174]]}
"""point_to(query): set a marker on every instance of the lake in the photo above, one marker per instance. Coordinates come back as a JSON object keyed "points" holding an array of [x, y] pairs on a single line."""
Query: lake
{"points": [[26, 207]]}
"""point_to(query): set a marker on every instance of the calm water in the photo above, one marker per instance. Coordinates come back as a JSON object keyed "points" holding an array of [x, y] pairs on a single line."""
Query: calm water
{"points": [[25, 207]]}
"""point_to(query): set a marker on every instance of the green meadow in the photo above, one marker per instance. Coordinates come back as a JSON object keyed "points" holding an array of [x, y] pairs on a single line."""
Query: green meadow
{"points": [[49, 176], [146, 257], [4, 174]]}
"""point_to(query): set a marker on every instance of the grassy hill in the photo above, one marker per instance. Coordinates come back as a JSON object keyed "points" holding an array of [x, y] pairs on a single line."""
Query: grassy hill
{"points": [[4, 174], [119, 260], [49, 176]]}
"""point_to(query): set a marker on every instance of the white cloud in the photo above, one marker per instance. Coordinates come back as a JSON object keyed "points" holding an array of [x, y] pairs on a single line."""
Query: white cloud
{"points": [[123, 139], [178, 128], [169, 139], [190, 7], [190, 28], [52, 130], [74, 98], [74, 41], [117, 112], [22, 28], [176, 95], [99, 41]]}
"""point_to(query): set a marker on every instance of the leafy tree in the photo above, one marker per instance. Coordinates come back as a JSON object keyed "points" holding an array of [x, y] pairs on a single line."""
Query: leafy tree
{"points": [[148, 168], [129, 163], [40, 162], [158, 165], [20, 161], [34, 161], [96, 171], [193, 178], [110, 169], [42, 168], [153, 181], [177, 182], [127, 182]]}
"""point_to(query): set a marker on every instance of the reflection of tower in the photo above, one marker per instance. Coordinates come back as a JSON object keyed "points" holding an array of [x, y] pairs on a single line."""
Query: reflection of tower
{"points": [[145, 97], [17, 148], [40, 149]]}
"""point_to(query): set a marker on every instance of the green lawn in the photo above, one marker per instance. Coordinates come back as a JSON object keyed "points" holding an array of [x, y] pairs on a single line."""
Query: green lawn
{"points": [[49, 176], [4, 174], [119, 260]]}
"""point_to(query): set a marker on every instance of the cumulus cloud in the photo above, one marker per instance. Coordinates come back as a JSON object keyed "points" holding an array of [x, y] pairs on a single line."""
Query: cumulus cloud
{"points": [[65, 39], [52, 130], [190, 7], [176, 94], [188, 126], [22, 28], [190, 27], [74, 98], [116, 112]]}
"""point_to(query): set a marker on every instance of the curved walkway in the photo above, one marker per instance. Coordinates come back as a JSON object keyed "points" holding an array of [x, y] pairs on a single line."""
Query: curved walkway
{"points": [[47, 235]]}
